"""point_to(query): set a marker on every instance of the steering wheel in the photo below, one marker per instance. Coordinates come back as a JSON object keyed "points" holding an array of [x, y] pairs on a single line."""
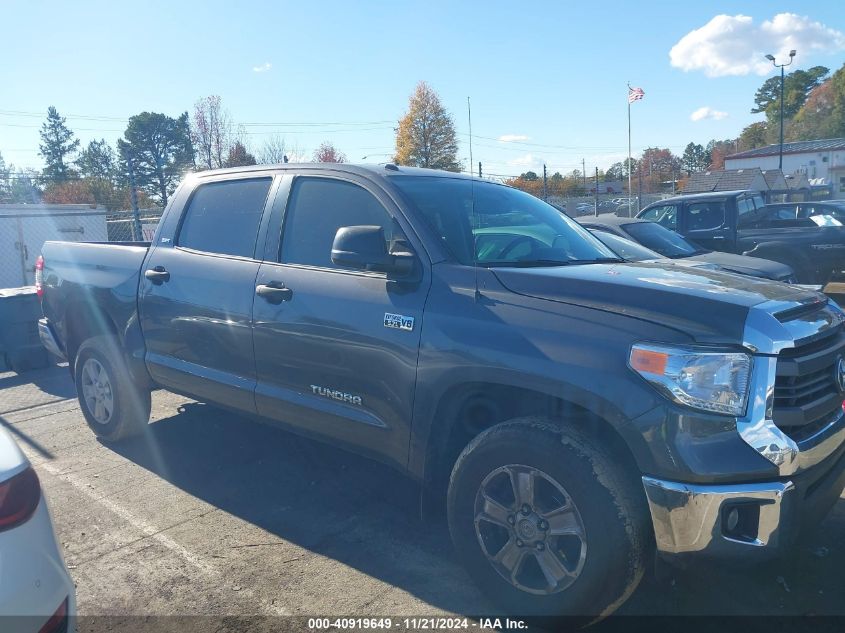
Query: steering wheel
{"points": [[519, 239]]}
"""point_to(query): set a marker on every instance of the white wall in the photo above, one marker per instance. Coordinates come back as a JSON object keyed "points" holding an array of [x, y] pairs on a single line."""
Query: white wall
{"points": [[811, 163]]}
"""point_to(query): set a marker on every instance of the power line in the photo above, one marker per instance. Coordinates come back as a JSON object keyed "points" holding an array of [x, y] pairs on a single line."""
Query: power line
{"points": [[22, 113]]}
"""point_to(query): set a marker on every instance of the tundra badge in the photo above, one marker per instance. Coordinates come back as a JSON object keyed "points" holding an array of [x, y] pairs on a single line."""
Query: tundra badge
{"points": [[398, 321]]}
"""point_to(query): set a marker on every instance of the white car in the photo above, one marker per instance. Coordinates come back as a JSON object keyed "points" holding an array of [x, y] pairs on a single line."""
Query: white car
{"points": [[36, 592]]}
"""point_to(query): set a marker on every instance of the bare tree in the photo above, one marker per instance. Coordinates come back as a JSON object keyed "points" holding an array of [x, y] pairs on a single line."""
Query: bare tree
{"points": [[273, 151], [328, 153], [297, 154], [211, 132]]}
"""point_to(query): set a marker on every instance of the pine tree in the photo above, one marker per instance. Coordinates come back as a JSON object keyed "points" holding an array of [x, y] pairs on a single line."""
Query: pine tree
{"points": [[57, 146]]}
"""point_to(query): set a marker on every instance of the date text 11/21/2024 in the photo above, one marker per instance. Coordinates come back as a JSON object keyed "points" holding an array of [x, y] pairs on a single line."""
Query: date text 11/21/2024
{"points": [[417, 624]]}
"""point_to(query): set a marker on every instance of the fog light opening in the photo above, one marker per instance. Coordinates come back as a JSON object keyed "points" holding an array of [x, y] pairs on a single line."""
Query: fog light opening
{"points": [[741, 521]]}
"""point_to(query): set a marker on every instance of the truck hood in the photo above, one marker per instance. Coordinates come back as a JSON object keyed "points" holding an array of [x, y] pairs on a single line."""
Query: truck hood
{"points": [[745, 265], [708, 305]]}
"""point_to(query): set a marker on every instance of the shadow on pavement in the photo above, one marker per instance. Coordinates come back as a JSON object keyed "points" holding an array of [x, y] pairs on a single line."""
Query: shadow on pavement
{"points": [[331, 502], [365, 515]]}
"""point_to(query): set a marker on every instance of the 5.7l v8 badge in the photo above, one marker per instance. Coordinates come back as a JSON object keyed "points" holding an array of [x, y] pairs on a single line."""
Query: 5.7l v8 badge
{"points": [[398, 321]]}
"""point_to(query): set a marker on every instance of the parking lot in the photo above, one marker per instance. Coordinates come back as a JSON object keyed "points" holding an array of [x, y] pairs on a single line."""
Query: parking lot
{"points": [[212, 514]]}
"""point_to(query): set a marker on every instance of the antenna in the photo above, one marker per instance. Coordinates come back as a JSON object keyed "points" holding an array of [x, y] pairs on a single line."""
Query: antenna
{"points": [[472, 204]]}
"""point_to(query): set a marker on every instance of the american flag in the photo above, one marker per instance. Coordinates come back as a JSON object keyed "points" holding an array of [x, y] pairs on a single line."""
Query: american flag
{"points": [[635, 94]]}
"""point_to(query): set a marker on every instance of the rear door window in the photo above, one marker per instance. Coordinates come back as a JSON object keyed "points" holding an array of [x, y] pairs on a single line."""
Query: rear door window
{"points": [[705, 216], [223, 217]]}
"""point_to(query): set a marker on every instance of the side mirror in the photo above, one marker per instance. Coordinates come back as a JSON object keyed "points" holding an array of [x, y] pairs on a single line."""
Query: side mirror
{"points": [[364, 248]]}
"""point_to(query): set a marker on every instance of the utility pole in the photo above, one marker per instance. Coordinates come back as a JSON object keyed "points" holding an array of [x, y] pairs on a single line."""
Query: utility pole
{"points": [[545, 191], [479, 169], [597, 191], [640, 186], [133, 196], [584, 173]]}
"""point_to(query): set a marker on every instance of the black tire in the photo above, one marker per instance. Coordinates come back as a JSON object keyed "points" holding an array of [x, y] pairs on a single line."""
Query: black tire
{"points": [[130, 404], [610, 508]]}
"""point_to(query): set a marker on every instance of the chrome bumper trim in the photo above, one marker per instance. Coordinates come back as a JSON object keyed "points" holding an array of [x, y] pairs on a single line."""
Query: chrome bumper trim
{"points": [[688, 518], [765, 334], [48, 340]]}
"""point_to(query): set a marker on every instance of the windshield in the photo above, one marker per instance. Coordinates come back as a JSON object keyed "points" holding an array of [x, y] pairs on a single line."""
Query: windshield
{"points": [[626, 249], [659, 238], [494, 225]]}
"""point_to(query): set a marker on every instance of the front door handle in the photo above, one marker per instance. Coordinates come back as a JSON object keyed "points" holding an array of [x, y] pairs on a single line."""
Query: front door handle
{"points": [[274, 292], [157, 275]]}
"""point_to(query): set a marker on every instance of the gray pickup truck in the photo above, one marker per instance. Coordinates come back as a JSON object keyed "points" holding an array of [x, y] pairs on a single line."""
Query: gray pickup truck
{"points": [[740, 222], [575, 414]]}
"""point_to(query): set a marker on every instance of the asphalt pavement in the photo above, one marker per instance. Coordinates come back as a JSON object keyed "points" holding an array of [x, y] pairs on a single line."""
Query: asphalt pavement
{"points": [[210, 513]]}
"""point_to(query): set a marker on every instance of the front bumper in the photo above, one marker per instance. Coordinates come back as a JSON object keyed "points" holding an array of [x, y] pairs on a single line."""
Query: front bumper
{"points": [[752, 521]]}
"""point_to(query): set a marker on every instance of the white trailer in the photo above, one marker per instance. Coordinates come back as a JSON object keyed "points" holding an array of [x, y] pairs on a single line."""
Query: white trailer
{"points": [[25, 227]]}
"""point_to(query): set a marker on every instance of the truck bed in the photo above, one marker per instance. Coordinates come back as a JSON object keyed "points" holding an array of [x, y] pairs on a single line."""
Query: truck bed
{"points": [[80, 275]]}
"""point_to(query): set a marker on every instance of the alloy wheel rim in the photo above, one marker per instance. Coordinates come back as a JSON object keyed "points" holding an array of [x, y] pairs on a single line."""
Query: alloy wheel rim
{"points": [[97, 391], [530, 529]]}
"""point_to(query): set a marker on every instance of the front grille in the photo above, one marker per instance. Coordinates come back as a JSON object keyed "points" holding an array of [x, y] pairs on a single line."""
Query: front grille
{"points": [[807, 394]]}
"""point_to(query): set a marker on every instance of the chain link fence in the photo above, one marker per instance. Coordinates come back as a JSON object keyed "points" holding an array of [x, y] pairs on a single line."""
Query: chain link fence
{"points": [[124, 226], [25, 227], [605, 203]]}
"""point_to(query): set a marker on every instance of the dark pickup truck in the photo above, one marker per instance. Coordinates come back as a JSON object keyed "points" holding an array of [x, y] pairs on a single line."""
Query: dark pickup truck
{"points": [[740, 222], [575, 414]]}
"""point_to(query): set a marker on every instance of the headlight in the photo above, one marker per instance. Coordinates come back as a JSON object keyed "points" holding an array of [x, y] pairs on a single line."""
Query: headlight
{"points": [[710, 381]]}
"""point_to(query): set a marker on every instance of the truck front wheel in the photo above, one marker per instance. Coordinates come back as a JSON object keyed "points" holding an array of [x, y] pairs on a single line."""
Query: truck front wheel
{"points": [[546, 521], [113, 405]]}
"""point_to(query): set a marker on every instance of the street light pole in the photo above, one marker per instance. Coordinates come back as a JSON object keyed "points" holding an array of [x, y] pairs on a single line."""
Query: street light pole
{"points": [[771, 58]]}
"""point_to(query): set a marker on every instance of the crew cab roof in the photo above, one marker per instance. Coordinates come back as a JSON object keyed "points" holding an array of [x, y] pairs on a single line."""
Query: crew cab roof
{"points": [[385, 170], [707, 195]]}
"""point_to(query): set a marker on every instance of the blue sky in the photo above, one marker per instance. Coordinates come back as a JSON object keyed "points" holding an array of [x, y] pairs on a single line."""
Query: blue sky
{"points": [[554, 73]]}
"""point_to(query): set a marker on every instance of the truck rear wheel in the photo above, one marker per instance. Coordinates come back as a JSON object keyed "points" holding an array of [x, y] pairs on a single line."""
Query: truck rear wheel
{"points": [[113, 405], [546, 522]]}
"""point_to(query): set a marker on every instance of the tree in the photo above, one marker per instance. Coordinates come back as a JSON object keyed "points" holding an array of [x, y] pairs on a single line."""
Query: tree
{"points": [[426, 134], [23, 187], [5, 182], [97, 160], [797, 86], [57, 146], [695, 158], [273, 151], [823, 114], [239, 156], [529, 176], [659, 166], [719, 149], [754, 136], [71, 192], [211, 132], [160, 150], [328, 153]]}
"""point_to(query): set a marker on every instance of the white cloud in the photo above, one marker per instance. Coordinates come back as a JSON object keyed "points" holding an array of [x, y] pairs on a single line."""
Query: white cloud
{"points": [[706, 112], [734, 45], [524, 161], [512, 138], [263, 68]]}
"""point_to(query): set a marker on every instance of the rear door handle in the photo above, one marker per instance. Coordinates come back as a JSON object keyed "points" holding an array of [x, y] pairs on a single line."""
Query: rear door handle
{"points": [[274, 292], [157, 275]]}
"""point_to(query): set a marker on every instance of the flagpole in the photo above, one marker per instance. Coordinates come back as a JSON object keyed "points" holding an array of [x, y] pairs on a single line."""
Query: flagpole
{"points": [[629, 150]]}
